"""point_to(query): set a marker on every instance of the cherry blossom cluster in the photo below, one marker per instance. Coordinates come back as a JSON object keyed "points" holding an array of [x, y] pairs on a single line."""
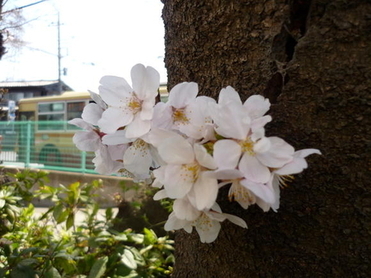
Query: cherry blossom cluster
{"points": [[188, 147]]}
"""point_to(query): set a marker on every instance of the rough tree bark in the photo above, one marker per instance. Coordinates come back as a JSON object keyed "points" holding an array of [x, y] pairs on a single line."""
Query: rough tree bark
{"points": [[312, 59]]}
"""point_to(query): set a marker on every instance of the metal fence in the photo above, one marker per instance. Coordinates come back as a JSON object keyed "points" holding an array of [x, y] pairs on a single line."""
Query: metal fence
{"points": [[43, 144]]}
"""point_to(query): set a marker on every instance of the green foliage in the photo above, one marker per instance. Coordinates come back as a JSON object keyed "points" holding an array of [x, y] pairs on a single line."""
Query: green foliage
{"points": [[53, 245]]}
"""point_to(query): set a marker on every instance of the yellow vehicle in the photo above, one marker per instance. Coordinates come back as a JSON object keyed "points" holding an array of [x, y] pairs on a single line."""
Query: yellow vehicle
{"points": [[50, 136], [45, 137]]}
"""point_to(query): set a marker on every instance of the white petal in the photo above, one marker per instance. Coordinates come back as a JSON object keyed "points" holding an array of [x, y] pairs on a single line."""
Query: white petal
{"points": [[257, 106], [184, 210], [177, 182], [226, 154], [253, 170], [147, 110], [305, 152], [236, 220], [203, 158], [113, 89], [81, 123], [98, 100], [137, 159], [176, 150], [112, 119], [205, 192], [88, 141], [173, 223], [207, 228], [146, 81], [137, 127], [182, 94], [227, 95], [92, 113], [161, 194], [263, 145], [278, 154], [117, 138], [261, 190]]}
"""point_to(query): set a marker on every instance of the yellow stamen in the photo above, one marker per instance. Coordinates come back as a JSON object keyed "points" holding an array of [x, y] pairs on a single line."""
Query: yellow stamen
{"points": [[247, 146], [179, 116]]}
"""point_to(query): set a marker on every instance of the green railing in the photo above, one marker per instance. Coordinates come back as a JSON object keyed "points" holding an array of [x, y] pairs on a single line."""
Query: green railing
{"points": [[43, 144]]}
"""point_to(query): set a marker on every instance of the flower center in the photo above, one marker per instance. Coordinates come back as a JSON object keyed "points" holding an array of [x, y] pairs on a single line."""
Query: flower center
{"points": [[179, 116], [239, 193], [190, 171], [247, 146], [134, 104]]}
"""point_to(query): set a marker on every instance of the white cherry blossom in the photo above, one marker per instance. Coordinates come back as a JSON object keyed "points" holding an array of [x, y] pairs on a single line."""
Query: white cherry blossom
{"points": [[129, 107]]}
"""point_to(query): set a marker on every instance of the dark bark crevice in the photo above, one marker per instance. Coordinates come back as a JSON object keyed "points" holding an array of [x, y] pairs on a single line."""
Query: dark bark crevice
{"points": [[283, 46]]}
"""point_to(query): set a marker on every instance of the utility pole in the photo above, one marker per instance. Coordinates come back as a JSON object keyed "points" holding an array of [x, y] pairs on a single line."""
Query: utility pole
{"points": [[59, 56]]}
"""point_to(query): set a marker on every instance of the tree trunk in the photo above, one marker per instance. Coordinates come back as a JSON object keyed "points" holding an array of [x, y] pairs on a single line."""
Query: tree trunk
{"points": [[312, 59]]}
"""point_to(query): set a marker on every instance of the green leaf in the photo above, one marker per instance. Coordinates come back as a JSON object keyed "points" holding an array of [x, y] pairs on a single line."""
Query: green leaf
{"points": [[2, 203], [99, 268], [128, 259], [70, 221], [149, 237], [52, 273], [58, 209]]}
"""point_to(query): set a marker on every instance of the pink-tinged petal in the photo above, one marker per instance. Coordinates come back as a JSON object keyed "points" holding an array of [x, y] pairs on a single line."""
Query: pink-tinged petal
{"points": [[203, 158], [227, 154], [184, 210], [146, 81], [182, 94], [112, 119], [92, 113], [278, 155], [253, 170], [257, 106], [87, 141], [81, 124], [113, 89], [137, 127], [176, 150], [207, 228], [260, 190], [178, 181], [236, 220], [205, 191], [227, 95]]}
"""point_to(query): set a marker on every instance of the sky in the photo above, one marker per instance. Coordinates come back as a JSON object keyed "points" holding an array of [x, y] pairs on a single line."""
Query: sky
{"points": [[97, 38]]}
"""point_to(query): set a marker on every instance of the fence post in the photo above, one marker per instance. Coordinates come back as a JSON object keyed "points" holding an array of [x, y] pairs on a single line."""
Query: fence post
{"points": [[28, 145], [83, 162]]}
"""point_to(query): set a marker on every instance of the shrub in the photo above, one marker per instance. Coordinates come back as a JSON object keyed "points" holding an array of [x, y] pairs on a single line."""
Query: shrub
{"points": [[53, 245]]}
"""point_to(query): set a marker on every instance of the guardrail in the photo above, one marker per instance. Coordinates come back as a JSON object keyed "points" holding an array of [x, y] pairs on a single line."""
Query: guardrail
{"points": [[43, 144]]}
